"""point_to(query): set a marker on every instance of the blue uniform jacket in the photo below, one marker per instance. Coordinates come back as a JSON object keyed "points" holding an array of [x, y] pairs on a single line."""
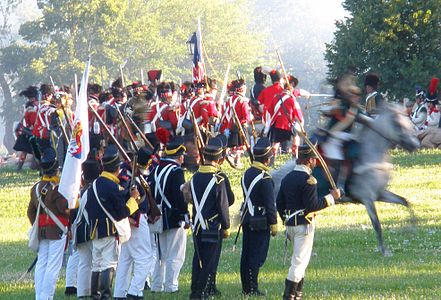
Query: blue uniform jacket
{"points": [[298, 190], [174, 216], [262, 195]]}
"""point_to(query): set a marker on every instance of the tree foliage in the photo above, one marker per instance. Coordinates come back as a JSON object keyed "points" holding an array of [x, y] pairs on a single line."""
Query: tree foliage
{"points": [[400, 39], [136, 34]]}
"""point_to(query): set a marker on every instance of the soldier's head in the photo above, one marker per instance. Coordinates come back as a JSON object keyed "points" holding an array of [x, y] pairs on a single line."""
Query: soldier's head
{"points": [[420, 95], [94, 89], [293, 82], [49, 164], [214, 150], [91, 169], [119, 95], [371, 82], [263, 151], [144, 159], [275, 76], [259, 76], [239, 86], [200, 88], [31, 92], [111, 160], [187, 90], [47, 92], [307, 156], [175, 149], [165, 91]]}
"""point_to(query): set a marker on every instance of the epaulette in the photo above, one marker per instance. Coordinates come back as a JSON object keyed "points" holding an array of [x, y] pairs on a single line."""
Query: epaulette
{"points": [[311, 180], [219, 178]]}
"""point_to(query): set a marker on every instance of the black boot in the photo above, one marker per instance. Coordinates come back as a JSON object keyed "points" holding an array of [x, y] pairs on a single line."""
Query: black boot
{"points": [[70, 291], [106, 284], [94, 286], [245, 279], [299, 289], [133, 297], [254, 283], [20, 165], [290, 290], [213, 291]]}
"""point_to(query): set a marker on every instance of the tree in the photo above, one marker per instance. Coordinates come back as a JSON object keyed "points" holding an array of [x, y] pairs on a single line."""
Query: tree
{"points": [[137, 34], [397, 38], [6, 37]]}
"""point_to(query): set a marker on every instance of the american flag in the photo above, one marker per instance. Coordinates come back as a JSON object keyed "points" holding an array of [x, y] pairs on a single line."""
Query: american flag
{"points": [[198, 59]]}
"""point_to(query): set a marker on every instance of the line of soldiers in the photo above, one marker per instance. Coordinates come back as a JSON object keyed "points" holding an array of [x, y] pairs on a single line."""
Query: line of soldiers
{"points": [[159, 130]]}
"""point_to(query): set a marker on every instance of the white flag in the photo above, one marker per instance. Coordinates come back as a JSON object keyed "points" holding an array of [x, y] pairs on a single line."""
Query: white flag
{"points": [[78, 148]]}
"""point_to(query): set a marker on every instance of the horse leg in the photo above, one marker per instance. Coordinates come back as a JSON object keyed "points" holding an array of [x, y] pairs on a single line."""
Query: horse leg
{"points": [[372, 212], [389, 197]]}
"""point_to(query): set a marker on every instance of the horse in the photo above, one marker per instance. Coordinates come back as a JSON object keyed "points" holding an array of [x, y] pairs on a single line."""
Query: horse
{"points": [[371, 170]]}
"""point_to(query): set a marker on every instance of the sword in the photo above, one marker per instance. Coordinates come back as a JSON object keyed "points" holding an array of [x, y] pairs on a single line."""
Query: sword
{"points": [[28, 270]]}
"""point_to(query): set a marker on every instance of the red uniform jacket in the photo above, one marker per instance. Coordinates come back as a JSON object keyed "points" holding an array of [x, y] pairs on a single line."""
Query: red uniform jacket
{"points": [[43, 120], [278, 116], [242, 108], [266, 97]]}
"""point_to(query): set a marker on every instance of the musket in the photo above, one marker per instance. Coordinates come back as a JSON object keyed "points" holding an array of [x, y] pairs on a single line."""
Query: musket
{"points": [[126, 127], [114, 140], [141, 134], [240, 226], [224, 86], [242, 134], [134, 166], [152, 203], [197, 136], [302, 132], [62, 108]]}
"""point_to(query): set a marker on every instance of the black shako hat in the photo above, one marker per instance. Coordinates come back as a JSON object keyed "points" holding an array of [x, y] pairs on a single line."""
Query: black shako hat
{"points": [[372, 80], [214, 149], [175, 147], [30, 92], [111, 157], [306, 152], [275, 76], [49, 163], [144, 156], [91, 169], [262, 149]]}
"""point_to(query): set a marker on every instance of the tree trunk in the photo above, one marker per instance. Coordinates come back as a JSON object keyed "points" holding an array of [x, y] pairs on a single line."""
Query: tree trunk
{"points": [[8, 139]]}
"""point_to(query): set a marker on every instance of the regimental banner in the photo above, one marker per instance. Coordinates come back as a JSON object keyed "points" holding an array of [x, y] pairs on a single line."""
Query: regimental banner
{"points": [[78, 146]]}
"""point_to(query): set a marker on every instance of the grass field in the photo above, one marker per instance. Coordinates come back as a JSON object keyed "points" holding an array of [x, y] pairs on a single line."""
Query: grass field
{"points": [[345, 263]]}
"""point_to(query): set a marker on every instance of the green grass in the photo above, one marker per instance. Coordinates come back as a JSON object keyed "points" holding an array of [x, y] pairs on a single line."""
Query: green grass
{"points": [[345, 263]]}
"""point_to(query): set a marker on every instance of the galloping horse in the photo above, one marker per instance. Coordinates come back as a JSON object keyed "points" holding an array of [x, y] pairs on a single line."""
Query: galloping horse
{"points": [[371, 172]]}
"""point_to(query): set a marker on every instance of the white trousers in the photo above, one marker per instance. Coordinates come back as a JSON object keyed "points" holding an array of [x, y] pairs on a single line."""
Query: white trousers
{"points": [[105, 252], [47, 269], [154, 257], [72, 268], [84, 276], [136, 254], [302, 238], [172, 243]]}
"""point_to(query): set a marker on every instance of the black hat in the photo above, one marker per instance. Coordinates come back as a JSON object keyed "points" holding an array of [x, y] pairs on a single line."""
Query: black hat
{"points": [[175, 147], [259, 76], [214, 149], [117, 83], [223, 139], [49, 163], [30, 92], [372, 80], [144, 156], [306, 152], [117, 92], [46, 89], [262, 149], [275, 76], [111, 157], [91, 169], [94, 88]]}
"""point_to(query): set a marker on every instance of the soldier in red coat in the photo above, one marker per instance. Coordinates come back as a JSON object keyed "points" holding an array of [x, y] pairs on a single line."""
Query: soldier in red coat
{"points": [[239, 105], [266, 96], [284, 112], [164, 112], [24, 129], [45, 119]]}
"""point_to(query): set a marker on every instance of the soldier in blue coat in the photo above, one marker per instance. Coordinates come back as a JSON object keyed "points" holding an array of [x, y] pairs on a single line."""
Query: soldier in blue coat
{"points": [[117, 202], [211, 196], [297, 201], [165, 182], [259, 217]]}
